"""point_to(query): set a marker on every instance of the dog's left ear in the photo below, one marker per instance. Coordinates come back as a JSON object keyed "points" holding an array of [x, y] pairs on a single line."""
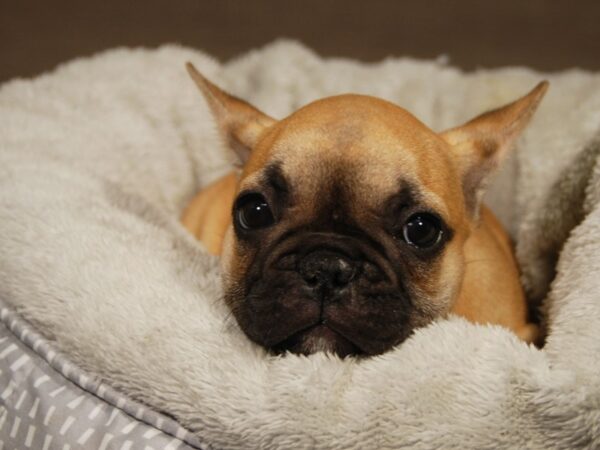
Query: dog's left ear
{"points": [[240, 123], [482, 143]]}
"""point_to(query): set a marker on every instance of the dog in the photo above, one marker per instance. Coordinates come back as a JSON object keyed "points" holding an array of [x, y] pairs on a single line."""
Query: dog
{"points": [[351, 223]]}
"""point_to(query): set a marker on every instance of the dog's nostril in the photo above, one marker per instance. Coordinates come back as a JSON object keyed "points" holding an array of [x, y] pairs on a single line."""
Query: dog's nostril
{"points": [[311, 280], [343, 273]]}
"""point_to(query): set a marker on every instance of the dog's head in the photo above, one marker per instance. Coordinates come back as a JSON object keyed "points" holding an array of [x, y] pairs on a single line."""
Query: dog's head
{"points": [[350, 217]]}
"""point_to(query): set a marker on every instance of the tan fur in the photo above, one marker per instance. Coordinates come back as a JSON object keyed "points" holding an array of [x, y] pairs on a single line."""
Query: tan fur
{"points": [[209, 213], [375, 141], [491, 291]]}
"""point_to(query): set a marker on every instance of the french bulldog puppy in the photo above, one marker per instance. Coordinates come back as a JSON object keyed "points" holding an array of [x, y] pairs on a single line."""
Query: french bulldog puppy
{"points": [[351, 223]]}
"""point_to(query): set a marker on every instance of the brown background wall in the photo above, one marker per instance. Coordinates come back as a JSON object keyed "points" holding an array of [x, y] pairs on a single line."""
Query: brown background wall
{"points": [[546, 34]]}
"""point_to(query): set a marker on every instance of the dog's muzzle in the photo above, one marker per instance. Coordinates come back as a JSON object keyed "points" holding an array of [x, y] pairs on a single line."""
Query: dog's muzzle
{"points": [[328, 292]]}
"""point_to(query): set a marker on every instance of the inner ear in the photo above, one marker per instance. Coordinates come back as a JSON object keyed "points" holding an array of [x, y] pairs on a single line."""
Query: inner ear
{"points": [[240, 123], [480, 145]]}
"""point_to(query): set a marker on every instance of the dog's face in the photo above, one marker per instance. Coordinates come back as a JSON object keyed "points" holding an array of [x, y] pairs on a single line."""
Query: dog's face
{"points": [[350, 218], [345, 235]]}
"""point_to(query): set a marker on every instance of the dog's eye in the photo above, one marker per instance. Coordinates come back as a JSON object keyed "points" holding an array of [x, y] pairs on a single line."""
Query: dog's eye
{"points": [[422, 230], [253, 212]]}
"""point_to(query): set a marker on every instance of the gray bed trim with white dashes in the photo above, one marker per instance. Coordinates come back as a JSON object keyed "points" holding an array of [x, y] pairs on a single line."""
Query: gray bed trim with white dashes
{"points": [[48, 403]]}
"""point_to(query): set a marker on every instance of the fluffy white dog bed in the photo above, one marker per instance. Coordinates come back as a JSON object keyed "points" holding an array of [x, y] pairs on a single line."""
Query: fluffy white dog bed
{"points": [[97, 161]]}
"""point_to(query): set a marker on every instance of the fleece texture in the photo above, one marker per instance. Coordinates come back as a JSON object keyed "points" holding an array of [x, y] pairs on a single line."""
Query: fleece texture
{"points": [[97, 160]]}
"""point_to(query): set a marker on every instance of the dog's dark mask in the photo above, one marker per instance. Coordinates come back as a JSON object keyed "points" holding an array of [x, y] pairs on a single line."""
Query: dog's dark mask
{"points": [[329, 283]]}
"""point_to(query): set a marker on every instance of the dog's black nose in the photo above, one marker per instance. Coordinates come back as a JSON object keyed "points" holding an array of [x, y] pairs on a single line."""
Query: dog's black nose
{"points": [[328, 269]]}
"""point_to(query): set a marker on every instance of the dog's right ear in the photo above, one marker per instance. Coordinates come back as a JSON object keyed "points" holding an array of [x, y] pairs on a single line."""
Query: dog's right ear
{"points": [[240, 123]]}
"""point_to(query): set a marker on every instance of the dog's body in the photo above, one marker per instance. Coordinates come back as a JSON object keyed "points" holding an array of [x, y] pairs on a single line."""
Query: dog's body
{"points": [[353, 223]]}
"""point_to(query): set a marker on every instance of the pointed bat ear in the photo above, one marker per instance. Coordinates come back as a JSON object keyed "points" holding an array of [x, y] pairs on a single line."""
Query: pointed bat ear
{"points": [[481, 144], [240, 123]]}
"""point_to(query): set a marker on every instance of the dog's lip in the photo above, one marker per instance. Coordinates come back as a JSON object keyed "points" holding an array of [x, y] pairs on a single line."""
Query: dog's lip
{"points": [[333, 328], [322, 323]]}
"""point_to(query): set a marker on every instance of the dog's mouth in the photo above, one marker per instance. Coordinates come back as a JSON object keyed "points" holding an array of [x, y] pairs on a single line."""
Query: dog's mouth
{"points": [[318, 337]]}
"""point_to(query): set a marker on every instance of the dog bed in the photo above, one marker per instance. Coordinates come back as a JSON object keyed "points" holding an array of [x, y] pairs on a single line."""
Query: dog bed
{"points": [[109, 305]]}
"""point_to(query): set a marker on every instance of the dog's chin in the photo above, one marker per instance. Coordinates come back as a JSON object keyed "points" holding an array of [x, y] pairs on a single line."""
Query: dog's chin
{"points": [[318, 338]]}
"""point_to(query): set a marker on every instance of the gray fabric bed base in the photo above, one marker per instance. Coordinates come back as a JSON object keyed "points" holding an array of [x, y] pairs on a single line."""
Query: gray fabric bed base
{"points": [[48, 403]]}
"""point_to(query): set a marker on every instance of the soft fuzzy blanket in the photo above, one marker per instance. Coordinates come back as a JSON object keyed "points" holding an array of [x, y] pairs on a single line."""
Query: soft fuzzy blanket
{"points": [[97, 160]]}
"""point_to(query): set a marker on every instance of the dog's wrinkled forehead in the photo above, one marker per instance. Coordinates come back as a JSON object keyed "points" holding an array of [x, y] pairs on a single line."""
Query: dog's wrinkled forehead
{"points": [[360, 147]]}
